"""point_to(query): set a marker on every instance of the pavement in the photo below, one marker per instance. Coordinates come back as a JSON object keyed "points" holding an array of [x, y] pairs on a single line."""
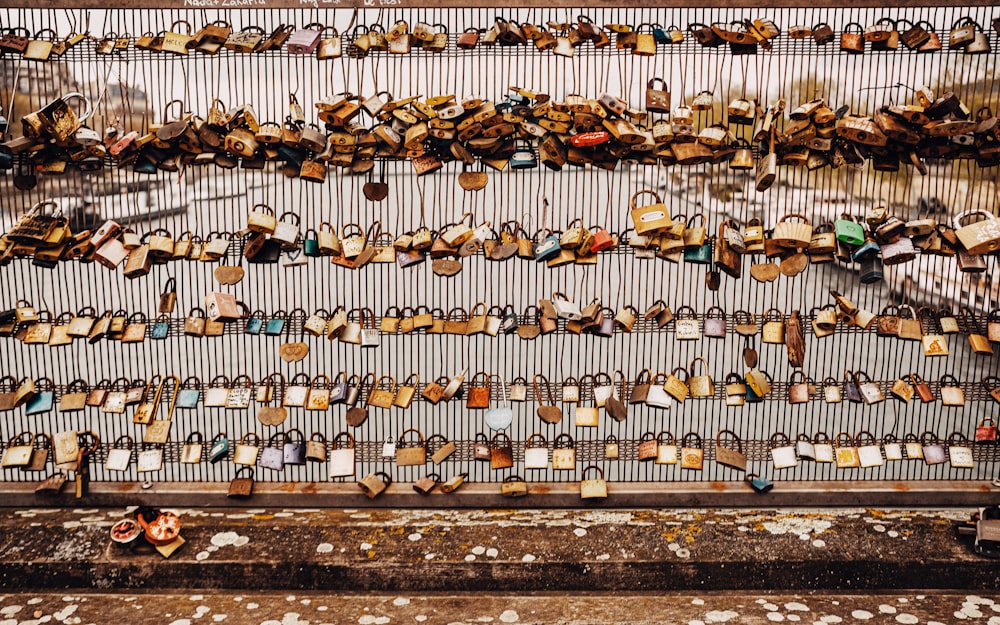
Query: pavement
{"points": [[378, 566], [312, 608]]}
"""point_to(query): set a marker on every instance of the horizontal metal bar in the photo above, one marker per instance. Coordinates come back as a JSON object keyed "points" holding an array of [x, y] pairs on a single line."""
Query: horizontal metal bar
{"points": [[443, 4], [541, 495]]}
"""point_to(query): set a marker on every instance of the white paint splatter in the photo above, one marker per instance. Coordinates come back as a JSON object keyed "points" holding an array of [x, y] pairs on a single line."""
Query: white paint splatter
{"points": [[697, 602], [862, 615], [886, 609], [683, 553], [34, 601], [65, 613], [831, 618], [696, 622], [979, 600], [202, 555], [960, 616], [907, 619], [218, 618], [11, 610], [603, 556], [430, 556], [223, 539], [420, 618], [770, 607], [187, 621], [794, 617], [196, 598], [775, 617], [414, 537], [673, 546], [720, 616], [528, 558], [509, 616], [492, 552], [580, 532], [878, 528], [324, 548], [819, 543], [972, 611], [367, 619], [240, 541], [252, 606], [366, 546], [470, 558], [796, 607], [479, 550], [892, 534]]}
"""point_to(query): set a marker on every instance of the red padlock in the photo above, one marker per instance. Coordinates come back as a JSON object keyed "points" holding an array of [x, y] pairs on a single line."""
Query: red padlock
{"points": [[589, 139], [986, 433], [602, 239]]}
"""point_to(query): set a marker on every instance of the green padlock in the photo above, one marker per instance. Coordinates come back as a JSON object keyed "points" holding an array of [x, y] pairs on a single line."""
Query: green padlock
{"points": [[849, 231], [310, 244], [701, 255]]}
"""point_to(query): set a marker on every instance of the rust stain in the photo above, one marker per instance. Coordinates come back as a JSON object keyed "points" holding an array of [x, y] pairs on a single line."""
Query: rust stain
{"points": [[717, 486], [899, 486], [288, 488], [309, 488], [540, 489], [983, 488]]}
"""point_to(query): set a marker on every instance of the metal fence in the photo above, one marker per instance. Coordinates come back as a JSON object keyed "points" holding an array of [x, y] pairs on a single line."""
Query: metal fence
{"points": [[204, 201]]}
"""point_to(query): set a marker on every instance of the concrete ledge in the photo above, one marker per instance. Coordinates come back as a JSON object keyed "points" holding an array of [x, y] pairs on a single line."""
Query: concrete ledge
{"points": [[376, 550], [541, 495]]}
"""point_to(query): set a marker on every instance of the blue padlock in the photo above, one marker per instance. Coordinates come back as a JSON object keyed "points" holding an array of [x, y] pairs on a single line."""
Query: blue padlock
{"points": [[869, 248], [871, 269], [276, 324], [310, 244], [524, 157], [701, 255], [660, 34], [547, 247], [189, 393], [760, 484], [43, 399], [255, 323], [161, 328]]}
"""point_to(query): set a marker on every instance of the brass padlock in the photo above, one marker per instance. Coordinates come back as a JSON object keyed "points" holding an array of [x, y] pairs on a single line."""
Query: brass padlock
{"points": [[374, 484]]}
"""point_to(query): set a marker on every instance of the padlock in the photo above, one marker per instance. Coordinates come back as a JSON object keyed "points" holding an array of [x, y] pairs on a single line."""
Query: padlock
{"points": [[850, 41], [759, 484], [666, 448], [501, 451], [782, 451], [959, 452], [986, 431], [733, 458], [932, 450], [374, 484]]}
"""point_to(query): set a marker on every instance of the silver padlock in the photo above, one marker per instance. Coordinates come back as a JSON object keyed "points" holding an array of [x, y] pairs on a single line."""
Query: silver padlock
{"points": [[286, 232], [480, 234], [565, 309], [389, 447]]}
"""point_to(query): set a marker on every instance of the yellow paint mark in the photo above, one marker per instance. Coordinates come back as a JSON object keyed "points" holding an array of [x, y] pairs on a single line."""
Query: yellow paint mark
{"points": [[371, 554], [263, 517]]}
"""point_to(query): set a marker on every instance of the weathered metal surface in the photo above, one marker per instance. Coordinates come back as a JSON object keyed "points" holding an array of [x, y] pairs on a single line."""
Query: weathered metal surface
{"points": [[541, 495]]}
